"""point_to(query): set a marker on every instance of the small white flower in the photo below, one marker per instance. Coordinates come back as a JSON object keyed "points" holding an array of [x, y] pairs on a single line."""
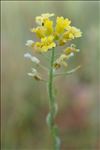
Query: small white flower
{"points": [[27, 55], [30, 74], [32, 58], [35, 60], [33, 73], [29, 43]]}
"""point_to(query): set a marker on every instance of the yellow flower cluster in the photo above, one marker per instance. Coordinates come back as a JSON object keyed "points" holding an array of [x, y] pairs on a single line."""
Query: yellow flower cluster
{"points": [[52, 34]]}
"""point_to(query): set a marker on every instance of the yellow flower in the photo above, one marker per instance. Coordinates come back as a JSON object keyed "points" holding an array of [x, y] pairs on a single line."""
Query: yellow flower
{"points": [[45, 44], [62, 41], [48, 25], [71, 49], [41, 19], [40, 31], [75, 32], [66, 37], [70, 34], [61, 24], [44, 30]]}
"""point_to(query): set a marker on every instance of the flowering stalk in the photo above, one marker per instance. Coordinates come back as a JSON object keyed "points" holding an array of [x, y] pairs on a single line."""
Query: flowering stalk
{"points": [[50, 84], [53, 106], [50, 36]]}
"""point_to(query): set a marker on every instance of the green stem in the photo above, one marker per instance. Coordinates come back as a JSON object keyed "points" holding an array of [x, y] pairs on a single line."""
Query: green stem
{"points": [[53, 106], [50, 83]]}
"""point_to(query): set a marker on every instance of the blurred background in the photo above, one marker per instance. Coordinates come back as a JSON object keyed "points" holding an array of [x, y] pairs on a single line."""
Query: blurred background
{"points": [[25, 101]]}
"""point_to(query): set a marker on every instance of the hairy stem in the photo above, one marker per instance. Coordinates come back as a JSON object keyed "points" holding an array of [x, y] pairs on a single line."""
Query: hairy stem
{"points": [[53, 106]]}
